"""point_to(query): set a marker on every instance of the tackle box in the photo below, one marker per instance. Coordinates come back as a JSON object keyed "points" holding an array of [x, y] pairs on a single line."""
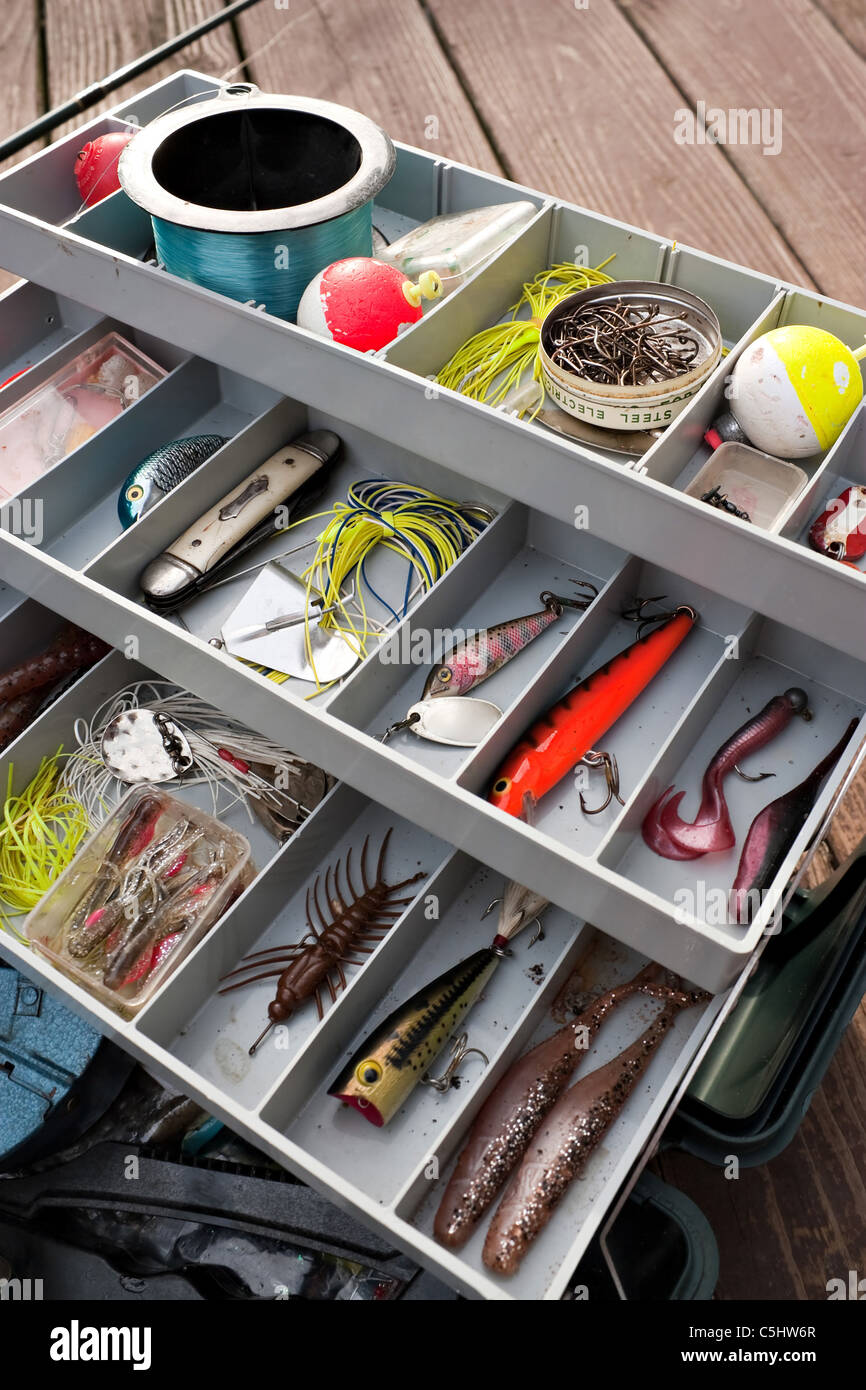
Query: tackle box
{"points": [[773, 613]]}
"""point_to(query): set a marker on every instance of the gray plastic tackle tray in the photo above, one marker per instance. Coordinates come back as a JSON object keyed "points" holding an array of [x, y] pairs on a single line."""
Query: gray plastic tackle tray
{"points": [[773, 614]]}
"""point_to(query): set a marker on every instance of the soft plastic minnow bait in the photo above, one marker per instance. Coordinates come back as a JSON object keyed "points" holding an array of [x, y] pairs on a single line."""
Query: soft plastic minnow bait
{"points": [[673, 838], [570, 729], [504, 1127]]}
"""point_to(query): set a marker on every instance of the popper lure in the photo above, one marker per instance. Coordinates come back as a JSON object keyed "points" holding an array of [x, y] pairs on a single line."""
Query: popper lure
{"points": [[569, 731], [673, 838], [394, 1059]]}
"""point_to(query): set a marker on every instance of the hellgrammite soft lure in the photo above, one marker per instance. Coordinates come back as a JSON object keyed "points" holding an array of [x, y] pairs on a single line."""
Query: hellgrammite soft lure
{"points": [[354, 925]]}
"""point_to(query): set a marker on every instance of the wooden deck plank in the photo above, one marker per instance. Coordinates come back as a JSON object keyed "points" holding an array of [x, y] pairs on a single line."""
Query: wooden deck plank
{"points": [[21, 99], [584, 110], [849, 17], [781, 55], [379, 56], [88, 39]]}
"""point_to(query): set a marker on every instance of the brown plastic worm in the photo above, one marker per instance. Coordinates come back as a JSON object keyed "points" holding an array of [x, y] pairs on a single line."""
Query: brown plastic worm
{"points": [[71, 648], [17, 714]]}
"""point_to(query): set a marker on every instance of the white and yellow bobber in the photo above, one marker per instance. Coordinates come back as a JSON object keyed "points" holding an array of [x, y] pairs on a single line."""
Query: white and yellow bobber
{"points": [[794, 390]]}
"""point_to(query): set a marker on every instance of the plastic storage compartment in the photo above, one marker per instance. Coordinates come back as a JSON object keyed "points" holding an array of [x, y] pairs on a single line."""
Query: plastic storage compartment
{"points": [[755, 483], [150, 836]]}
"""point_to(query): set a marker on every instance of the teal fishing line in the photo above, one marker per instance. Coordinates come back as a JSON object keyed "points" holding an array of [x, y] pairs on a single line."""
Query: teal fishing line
{"points": [[271, 268]]}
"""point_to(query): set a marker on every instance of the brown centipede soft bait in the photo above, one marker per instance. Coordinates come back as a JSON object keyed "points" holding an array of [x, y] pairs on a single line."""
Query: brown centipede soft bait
{"points": [[71, 650], [305, 967]]}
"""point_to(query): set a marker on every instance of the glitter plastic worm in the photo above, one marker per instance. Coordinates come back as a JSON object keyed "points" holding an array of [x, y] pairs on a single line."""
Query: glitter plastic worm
{"points": [[509, 1118], [673, 838], [571, 1132]]}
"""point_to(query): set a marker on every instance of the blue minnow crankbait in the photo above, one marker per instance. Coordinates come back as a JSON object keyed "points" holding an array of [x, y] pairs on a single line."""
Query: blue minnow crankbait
{"points": [[154, 476]]}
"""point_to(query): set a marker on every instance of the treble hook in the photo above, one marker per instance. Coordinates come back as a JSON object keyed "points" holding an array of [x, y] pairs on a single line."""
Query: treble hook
{"points": [[635, 614], [539, 935], [611, 777], [401, 724], [459, 1052], [558, 601]]}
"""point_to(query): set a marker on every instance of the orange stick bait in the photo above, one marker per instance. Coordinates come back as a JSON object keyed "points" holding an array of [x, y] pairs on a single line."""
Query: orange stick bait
{"points": [[572, 727]]}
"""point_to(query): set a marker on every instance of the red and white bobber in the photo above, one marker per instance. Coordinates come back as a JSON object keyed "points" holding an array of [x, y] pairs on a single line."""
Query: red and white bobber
{"points": [[96, 166], [363, 302]]}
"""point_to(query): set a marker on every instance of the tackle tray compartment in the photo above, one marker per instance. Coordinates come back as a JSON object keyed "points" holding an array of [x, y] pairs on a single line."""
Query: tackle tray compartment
{"points": [[772, 613]]}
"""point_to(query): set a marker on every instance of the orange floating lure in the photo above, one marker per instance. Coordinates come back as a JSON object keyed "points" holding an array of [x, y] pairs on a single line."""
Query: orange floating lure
{"points": [[571, 728]]}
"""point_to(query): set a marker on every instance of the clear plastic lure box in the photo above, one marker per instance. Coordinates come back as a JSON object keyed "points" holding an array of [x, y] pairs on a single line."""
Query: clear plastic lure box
{"points": [[773, 613], [85, 394], [196, 862]]}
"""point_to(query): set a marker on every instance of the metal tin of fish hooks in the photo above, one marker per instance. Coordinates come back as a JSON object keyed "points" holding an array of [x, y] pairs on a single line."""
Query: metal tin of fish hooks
{"points": [[621, 407], [143, 745]]}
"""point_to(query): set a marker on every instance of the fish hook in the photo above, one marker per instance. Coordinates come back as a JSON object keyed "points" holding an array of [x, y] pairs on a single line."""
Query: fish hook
{"points": [[635, 614], [558, 601], [611, 777], [539, 935], [459, 1052], [760, 777], [401, 724]]}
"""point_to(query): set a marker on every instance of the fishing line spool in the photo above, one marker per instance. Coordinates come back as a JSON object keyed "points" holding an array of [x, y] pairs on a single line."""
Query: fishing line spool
{"points": [[251, 193]]}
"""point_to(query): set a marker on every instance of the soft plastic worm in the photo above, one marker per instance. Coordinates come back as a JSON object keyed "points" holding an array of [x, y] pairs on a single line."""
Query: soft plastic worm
{"points": [[673, 838], [71, 648]]}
